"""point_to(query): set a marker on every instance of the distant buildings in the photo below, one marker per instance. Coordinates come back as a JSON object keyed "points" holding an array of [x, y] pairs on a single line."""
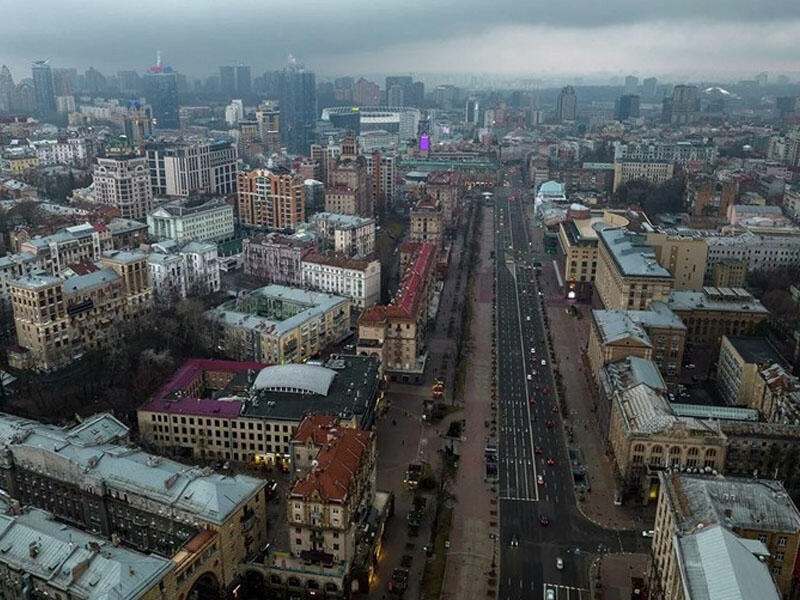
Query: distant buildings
{"points": [[298, 106], [566, 105], [681, 107], [402, 90], [627, 107], [161, 91], [43, 87]]}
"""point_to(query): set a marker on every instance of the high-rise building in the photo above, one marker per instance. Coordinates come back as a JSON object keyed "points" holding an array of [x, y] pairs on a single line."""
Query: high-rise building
{"points": [[244, 85], [94, 82], [227, 80], [269, 200], [298, 106], [566, 104], [631, 84], [65, 82], [472, 111], [43, 87], [680, 108], [649, 88], [366, 93], [627, 107], [402, 90], [6, 89], [184, 169], [124, 182], [130, 84], [268, 117], [161, 92]]}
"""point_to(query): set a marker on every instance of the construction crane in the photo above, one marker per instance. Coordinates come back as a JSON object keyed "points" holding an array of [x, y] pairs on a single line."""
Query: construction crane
{"points": [[140, 118]]}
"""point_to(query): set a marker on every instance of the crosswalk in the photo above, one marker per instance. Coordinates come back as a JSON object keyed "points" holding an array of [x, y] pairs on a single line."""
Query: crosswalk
{"points": [[565, 592]]}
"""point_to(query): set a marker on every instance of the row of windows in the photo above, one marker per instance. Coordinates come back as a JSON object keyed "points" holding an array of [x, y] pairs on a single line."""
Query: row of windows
{"points": [[250, 425]]}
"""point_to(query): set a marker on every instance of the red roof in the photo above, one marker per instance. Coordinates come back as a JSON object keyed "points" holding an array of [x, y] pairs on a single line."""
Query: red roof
{"points": [[337, 464], [316, 427]]}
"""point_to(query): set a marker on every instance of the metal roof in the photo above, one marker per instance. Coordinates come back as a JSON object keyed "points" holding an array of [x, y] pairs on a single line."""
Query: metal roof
{"points": [[631, 253], [310, 379], [616, 325]]}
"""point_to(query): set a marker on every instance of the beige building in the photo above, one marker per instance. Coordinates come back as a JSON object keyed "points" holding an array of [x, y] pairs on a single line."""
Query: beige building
{"points": [[723, 537], [124, 183], [268, 200], [427, 221], [445, 188], [630, 170], [729, 273], [345, 234], [645, 435], [740, 371], [713, 312], [395, 333], [683, 256], [279, 324], [358, 280], [57, 320], [707, 197], [628, 274], [578, 240]]}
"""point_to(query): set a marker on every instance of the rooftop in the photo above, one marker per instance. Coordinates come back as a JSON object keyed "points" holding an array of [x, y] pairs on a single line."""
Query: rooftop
{"points": [[341, 221], [631, 254], [716, 299], [338, 261], [617, 325], [756, 350], [658, 316]]}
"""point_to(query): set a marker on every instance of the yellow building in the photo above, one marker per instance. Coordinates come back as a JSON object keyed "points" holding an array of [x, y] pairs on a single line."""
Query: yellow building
{"points": [[632, 170], [683, 256], [722, 536], [729, 273], [645, 435], [628, 274], [17, 164], [427, 221]]}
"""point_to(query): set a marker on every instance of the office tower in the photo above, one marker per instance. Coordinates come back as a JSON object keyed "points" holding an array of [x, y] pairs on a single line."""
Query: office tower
{"points": [[129, 83], [566, 104], [244, 86], [631, 84], [445, 96], [343, 90], [24, 97], [417, 94], [94, 82], [268, 117], [65, 82], [161, 92], [124, 183], [298, 106], [366, 93], [43, 88], [649, 88], [6, 89], [402, 90], [785, 106], [627, 107], [187, 168], [227, 80], [472, 111], [680, 108]]}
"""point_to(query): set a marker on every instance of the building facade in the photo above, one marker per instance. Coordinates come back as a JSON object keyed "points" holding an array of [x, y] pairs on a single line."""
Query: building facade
{"points": [[359, 280], [190, 168], [276, 258], [652, 171], [269, 200], [348, 235], [124, 183], [202, 218]]}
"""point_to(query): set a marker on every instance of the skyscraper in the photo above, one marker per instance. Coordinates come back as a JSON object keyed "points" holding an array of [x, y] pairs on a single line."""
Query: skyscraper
{"points": [[649, 88], [631, 85], [227, 80], [566, 104], [43, 87], [627, 107], [402, 90], [298, 106], [680, 108], [235, 82], [161, 92], [243, 84], [6, 89]]}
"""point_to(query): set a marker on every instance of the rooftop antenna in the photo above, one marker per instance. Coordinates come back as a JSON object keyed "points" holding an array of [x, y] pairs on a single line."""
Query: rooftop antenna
{"points": [[158, 58]]}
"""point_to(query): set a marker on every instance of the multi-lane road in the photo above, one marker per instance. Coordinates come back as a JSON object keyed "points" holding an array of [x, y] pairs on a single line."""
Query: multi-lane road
{"points": [[539, 519]]}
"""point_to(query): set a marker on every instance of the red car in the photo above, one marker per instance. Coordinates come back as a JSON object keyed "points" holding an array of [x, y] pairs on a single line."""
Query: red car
{"points": [[549, 423], [532, 400], [537, 450], [544, 520], [545, 390], [550, 462], [555, 408]]}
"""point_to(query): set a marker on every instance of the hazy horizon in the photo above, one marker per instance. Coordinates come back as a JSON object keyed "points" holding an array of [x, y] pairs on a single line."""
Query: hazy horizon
{"points": [[714, 40]]}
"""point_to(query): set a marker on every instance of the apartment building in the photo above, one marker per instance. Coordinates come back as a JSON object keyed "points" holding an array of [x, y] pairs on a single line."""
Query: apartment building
{"points": [[395, 333], [381, 169], [717, 536], [12, 267], [652, 171], [270, 200], [278, 324], [629, 276], [682, 255], [729, 274], [656, 334], [646, 435], [68, 246], [92, 477], [711, 197], [713, 312], [349, 191], [358, 280], [249, 412], [124, 183], [444, 187], [57, 319], [192, 167], [739, 369], [577, 237], [199, 218], [180, 270], [681, 152], [74, 151], [348, 235], [427, 221], [761, 251], [277, 258]]}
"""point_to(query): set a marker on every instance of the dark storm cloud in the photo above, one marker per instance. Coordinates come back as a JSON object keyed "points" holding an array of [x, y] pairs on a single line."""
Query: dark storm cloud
{"points": [[198, 35]]}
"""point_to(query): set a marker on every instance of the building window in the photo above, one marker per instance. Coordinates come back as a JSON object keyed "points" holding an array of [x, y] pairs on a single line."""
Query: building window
{"points": [[782, 542]]}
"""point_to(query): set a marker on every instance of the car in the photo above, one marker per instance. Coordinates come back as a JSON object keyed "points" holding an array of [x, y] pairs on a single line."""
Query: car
{"points": [[559, 563], [533, 350], [530, 377], [550, 461], [544, 363], [691, 366], [545, 390], [514, 541], [544, 520], [532, 400], [549, 594], [537, 450], [528, 318], [540, 480], [648, 533], [555, 408], [549, 423]]}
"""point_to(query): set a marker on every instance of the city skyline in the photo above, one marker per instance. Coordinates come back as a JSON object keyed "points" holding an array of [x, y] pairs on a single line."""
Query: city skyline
{"points": [[712, 40]]}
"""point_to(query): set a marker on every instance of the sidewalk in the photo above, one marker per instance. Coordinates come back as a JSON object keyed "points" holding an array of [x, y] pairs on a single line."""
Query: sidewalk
{"points": [[470, 571]]}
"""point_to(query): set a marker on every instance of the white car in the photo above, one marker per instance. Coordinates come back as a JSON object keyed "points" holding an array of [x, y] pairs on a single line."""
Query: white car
{"points": [[528, 318], [549, 594], [533, 350], [530, 377], [559, 563], [648, 533], [540, 480], [544, 362]]}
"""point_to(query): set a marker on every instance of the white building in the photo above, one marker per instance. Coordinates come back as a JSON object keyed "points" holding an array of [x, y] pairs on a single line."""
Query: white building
{"points": [[184, 169], [358, 280], [124, 182], [761, 252], [74, 151], [203, 219], [350, 235], [675, 152], [234, 112], [179, 271]]}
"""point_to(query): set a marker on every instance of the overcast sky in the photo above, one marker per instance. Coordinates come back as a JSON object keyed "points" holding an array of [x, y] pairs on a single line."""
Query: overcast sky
{"points": [[690, 38]]}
